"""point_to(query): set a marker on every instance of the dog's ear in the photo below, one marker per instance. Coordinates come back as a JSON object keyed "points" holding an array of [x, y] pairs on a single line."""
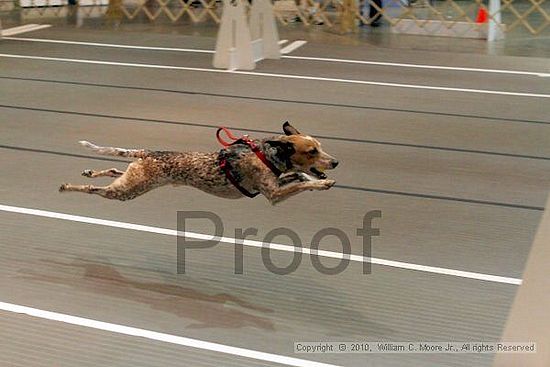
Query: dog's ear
{"points": [[283, 151], [289, 129]]}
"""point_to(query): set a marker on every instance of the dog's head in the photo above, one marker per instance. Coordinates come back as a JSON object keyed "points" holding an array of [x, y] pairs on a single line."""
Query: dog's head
{"points": [[301, 152]]}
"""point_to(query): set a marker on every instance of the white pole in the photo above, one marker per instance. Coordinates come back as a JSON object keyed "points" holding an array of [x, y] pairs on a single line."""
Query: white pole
{"points": [[494, 32]]}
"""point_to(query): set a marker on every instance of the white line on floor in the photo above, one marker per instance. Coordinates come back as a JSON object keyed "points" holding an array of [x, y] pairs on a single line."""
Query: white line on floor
{"points": [[110, 45], [16, 30], [293, 46], [282, 42], [162, 337], [324, 59], [23, 29], [252, 243], [283, 76], [418, 66]]}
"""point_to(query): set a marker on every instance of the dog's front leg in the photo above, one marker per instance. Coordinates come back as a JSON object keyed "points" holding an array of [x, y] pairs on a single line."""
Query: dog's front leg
{"points": [[287, 178], [276, 193]]}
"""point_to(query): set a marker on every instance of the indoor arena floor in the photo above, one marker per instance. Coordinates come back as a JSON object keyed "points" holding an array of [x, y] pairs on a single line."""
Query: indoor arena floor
{"points": [[456, 158]]}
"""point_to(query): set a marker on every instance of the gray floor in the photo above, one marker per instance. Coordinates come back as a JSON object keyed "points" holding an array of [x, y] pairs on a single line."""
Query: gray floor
{"points": [[461, 180]]}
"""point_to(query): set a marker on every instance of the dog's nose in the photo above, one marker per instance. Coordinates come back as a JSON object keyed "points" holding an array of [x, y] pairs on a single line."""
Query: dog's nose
{"points": [[334, 163]]}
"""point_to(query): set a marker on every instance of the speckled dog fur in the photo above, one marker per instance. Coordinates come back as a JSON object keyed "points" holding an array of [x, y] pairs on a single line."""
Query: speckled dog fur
{"points": [[294, 154]]}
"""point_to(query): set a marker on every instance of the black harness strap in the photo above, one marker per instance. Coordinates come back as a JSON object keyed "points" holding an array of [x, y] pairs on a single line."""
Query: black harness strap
{"points": [[226, 167]]}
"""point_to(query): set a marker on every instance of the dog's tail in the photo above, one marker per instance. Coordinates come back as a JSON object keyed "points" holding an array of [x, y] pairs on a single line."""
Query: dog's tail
{"points": [[119, 152]]}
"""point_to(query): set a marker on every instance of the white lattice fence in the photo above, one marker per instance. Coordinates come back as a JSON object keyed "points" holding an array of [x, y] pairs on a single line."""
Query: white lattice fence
{"points": [[195, 10], [431, 15], [532, 15]]}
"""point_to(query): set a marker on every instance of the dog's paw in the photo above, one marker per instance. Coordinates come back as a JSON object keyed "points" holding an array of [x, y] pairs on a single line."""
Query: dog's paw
{"points": [[63, 187], [327, 184], [87, 173], [321, 184]]}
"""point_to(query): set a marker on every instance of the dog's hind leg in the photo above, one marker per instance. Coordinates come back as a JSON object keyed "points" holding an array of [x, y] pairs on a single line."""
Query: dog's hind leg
{"points": [[105, 191], [112, 191], [131, 184], [89, 189], [112, 172]]}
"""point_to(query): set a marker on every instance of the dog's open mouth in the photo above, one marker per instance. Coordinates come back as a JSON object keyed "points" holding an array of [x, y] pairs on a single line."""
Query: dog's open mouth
{"points": [[320, 175]]}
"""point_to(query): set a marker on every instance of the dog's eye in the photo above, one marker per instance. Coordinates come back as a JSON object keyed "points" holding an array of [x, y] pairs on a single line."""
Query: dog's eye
{"points": [[313, 151]]}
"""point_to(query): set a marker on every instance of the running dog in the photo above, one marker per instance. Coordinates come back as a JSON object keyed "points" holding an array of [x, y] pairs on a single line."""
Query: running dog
{"points": [[277, 167]]}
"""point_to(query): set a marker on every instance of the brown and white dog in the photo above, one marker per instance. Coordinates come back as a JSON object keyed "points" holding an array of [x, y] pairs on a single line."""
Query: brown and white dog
{"points": [[292, 163]]}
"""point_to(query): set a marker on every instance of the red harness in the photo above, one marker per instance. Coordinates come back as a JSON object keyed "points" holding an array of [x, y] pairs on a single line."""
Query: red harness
{"points": [[226, 167]]}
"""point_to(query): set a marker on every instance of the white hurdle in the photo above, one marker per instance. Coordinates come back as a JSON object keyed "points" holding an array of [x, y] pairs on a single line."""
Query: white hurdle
{"points": [[240, 45], [234, 45], [263, 31]]}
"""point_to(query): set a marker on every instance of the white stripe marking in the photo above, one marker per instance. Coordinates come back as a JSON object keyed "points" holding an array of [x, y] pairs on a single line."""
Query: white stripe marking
{"points": [[23, 29], [324, 59], [418, 66], [293, 46], [252, 243], [111, 45], [162, 337], [18, 28], [284, 76]]}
